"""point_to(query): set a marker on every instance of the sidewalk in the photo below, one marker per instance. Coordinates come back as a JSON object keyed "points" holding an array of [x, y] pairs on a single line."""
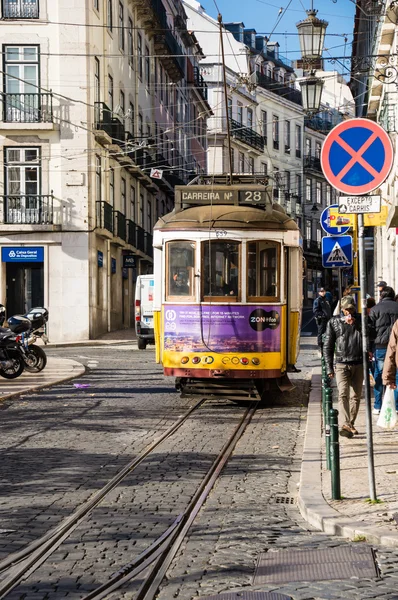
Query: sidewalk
{"points": [[113, 338], [56, 371], [353, 517]]}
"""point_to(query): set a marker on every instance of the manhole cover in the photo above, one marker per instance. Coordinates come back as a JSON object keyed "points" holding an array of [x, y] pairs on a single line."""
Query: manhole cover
{"points": [[344, 562], [249, 596]]}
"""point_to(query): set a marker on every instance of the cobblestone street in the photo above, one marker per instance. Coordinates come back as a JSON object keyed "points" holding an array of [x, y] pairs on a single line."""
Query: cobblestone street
{"points": [[62, 444]]}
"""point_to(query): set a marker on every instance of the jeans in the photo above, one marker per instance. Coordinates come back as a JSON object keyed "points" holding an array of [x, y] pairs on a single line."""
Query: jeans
{"points": [[349, 381], [321, 330], [380, 355]]}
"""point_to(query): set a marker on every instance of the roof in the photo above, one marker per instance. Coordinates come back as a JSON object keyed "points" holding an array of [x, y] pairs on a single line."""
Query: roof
{"points": [[228, 217]]}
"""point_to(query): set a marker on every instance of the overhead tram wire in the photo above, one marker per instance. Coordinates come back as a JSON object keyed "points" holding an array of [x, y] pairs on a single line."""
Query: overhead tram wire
{"points": [[219, 18]]}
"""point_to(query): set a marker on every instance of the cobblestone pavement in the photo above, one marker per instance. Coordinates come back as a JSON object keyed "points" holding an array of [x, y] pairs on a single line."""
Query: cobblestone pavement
{"points": [[50, 449]]}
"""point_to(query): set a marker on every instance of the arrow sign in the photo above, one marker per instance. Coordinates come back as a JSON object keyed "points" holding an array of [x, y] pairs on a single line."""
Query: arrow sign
{"points": [[337, 252]]}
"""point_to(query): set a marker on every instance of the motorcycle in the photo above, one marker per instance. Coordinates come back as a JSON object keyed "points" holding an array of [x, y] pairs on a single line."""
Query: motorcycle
{"points": [[35, 358], [12, 363]]}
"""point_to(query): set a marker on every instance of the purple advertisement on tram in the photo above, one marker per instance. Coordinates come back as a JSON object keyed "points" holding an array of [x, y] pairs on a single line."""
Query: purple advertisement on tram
{"points": [[221, 328]]}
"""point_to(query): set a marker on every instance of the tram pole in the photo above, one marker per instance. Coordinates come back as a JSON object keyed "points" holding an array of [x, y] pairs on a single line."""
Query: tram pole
{"points": [[219, 18], [368, 405]]}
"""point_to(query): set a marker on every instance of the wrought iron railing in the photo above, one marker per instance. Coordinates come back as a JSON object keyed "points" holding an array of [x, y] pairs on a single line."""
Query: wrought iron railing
{"points": [[131, 233], [120, 225], [279, 88], [199, 82], [140, 238], [28, 209], [246, 135], [105, 216], [106, 120], [28, 108], [312, 162], [319, 124], [148, 244], [312, 246], [20, 9]]}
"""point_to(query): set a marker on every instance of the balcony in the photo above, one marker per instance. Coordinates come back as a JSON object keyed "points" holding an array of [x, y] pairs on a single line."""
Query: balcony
{"points": [[28, 210], [131, 233], [20, 9], [120, 225], [312, 163], [314, 247], [140, 239], [28, 108], [105, 216], [170, 54], [199, 83], [106, 121], [278, 87], [247, 135], [319, 124]]}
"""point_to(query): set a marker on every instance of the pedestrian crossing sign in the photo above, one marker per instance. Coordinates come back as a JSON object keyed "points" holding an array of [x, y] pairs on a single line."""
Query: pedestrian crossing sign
{"points": [[337, 251]]}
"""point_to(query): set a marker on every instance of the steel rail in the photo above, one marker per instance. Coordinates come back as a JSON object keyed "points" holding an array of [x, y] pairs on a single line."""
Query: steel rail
{"points": [[168, 545], [21, 564]]}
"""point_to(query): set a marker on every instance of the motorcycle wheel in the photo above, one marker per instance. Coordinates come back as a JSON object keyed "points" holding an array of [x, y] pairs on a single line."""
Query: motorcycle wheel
{"points": [[16, 370], [36, 359]]}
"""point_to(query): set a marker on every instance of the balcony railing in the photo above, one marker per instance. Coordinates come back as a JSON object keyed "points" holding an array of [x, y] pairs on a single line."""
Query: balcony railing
{"points": [[105, 216], [20, 9], [105, 120], [278, 87], [149, 244], [131, 233], [28, 210], [199, 82], [120, 225], [319, 124], [140, 238], [313, 163], [312, 246], [27, 108], [246, 135], [171, 54]]}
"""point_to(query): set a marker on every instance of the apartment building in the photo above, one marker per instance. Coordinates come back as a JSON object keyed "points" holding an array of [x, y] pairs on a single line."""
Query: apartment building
{"points": [[103, 112]]}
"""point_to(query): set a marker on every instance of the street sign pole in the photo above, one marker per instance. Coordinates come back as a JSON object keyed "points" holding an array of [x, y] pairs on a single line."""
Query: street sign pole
{"points": [[365, 344]]}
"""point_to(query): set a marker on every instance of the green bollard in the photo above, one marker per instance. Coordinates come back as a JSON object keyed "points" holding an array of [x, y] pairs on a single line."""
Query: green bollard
{"points": [[335, 454], [328, 408]]}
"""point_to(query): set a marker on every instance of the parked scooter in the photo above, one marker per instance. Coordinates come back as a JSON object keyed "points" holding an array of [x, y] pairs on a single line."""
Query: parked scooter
{"points": [[35, 358], [12, 362]]}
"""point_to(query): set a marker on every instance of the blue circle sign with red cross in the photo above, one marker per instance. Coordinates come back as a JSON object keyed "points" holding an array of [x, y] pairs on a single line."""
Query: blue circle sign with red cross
{"points": [[357, 156]]}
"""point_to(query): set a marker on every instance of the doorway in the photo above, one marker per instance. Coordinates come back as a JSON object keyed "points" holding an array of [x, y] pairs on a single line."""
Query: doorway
{"points": [[25, 287]]}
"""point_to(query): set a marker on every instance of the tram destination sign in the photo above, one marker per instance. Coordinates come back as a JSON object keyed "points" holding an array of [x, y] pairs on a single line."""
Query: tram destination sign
{"points": [[359, 204], [238, 195]]}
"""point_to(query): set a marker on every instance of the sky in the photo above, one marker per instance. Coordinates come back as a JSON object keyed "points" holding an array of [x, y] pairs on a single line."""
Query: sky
{"points": [[263, 15]]}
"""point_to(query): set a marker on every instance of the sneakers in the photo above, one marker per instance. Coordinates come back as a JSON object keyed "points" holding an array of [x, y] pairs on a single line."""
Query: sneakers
{"points": [[376, 411], [354, 431], [346, 432]]}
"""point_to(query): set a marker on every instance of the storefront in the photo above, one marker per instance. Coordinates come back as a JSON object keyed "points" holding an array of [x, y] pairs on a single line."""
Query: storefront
{"points": [[24, 276]]}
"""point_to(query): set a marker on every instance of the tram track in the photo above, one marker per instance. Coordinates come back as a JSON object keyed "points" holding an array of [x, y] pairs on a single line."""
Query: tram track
{"points": [[20, 565]]}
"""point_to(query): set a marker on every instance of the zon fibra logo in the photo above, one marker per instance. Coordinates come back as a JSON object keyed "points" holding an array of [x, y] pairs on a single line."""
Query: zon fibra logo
{"points": [[261, 319]]}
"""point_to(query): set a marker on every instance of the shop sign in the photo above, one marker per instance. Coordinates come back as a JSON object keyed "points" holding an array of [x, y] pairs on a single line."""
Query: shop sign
{"points": [[113, 265], [22, 254], [129, 261], [100, 258]]}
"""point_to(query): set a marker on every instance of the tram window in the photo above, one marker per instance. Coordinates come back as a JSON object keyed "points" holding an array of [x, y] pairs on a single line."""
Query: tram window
{"points": [[262, 271], [221, 270], [180, 269]]}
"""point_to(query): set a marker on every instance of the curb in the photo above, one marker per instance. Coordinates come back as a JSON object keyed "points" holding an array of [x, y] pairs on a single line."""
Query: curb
{"points": [[312, 504], [90, 343], [78, 371]]}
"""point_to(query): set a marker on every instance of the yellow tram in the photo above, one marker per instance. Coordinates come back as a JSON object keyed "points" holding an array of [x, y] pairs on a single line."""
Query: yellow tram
{"points": [[228, 286]]}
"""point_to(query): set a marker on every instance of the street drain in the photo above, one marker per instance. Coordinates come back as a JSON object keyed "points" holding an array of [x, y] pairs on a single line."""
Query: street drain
{"points": [[249, 596], [285, 500], [344, 562]]}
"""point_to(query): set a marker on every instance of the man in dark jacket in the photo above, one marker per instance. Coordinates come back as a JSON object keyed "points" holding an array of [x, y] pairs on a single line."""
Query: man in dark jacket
{"points": [[343, 336], [322, 313], [381, 320]]}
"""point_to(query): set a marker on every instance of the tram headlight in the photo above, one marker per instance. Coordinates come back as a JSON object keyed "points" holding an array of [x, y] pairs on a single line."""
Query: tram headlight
{"points": [[255, 361], [196, 360], [185, 360], [209, 360], [244, 361]]}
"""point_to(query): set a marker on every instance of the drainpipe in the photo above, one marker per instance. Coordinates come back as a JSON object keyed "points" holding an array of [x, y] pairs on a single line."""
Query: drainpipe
{"points": [[108, 283]]}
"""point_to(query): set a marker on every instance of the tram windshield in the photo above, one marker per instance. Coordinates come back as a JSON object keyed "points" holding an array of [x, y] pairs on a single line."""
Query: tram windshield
{"points": [[221, 269], [262, 271], [180, 269]]}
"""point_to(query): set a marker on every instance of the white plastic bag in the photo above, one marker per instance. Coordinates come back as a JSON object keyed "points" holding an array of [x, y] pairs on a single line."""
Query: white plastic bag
{"points": [[388, 414]]}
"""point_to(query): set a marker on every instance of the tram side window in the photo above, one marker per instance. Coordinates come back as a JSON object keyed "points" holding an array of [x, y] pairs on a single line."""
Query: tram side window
{"points": [[180, 269], [221, 269], [262, 271]]}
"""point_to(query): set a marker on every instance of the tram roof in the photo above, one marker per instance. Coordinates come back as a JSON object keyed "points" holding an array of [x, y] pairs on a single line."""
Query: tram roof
{"points": [[229, 217]]}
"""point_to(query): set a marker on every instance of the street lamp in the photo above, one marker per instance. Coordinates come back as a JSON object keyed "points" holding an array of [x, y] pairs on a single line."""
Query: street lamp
{"points": [[311, 92], [312, 36]]}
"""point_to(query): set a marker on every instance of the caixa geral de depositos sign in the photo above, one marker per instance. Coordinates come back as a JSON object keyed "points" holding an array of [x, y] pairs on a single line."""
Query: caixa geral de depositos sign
{"points": [[22, 254]]}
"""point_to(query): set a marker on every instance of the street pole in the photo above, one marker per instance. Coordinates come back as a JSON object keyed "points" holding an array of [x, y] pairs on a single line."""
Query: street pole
{"points": [[340, 283], [368, 406], [355, 248]]}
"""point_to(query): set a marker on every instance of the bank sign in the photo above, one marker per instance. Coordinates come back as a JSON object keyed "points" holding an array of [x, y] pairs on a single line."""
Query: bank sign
{"points": [[32, 254]]}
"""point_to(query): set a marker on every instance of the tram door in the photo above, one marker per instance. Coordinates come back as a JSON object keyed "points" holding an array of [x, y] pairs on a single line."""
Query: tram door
{"points": [[25, 287]]}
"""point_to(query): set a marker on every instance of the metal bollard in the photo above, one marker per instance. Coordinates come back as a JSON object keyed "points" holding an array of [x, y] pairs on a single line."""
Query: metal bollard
{"points": [[328, 408], [335, 453]]}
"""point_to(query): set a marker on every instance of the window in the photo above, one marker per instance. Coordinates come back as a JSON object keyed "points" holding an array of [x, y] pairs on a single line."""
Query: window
{"points": [[123, 195], [229, 108], [233, 160], [130, 42], [139, 50], [264, 126], [140, 126], [308, 228], [24, 203], [251, 165], [308, 190], [161, 83], [287, 137], [262, 271], [250, 118], [141, 210], [111, 187], [264, 167], [318, 146], [275, 132], [132, 203], [288, 182], [110, 92], [149, 214], [21, 79], [180, 261], [97, 80], [240, 113], [96, 5], [98, 179], [132, 119], [23, 9], [298, 141], [122, 104], [277, 182], [147, 66], [328, 195], [241, 162], [221, 269], [318, 192], [319, 235], [299, 190], [109, 14], [121, 26], [308, 147]]}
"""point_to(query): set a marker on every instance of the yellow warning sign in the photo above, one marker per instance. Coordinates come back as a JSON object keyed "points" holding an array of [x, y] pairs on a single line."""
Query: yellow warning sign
{"points": [[376, 219]]}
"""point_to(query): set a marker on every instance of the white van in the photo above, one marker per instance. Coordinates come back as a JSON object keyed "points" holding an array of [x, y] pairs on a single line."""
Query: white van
{"points": [[144, 290]]}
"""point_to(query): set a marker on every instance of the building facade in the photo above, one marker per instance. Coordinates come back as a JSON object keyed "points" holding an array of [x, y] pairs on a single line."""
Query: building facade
{"points": [[104, 111]]}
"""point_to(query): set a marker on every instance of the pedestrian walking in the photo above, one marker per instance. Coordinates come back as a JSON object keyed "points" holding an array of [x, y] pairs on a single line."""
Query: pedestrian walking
{"points": [[337, 309], [390, 368], [381, 320], [380, 287], [322, 313], [344, 338]]}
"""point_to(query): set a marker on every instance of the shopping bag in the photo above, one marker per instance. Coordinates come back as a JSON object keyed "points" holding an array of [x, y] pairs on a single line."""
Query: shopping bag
{"points": [[388, 414]]}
